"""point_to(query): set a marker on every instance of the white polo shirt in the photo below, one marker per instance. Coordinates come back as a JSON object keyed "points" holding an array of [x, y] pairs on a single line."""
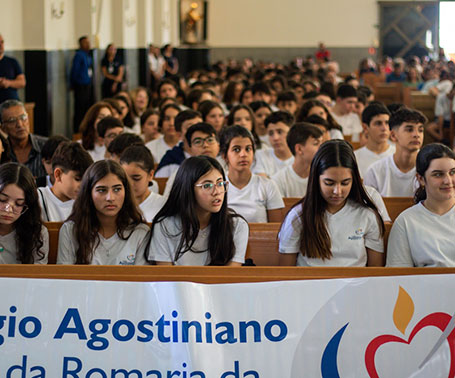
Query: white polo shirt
{"points": [[8, 248], [268, 163], [52, 209], [151, 205], [289, 183], [365, 157]]}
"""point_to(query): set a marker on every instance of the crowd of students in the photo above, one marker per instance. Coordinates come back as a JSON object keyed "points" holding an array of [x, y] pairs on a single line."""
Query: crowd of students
{"points": [[232, 142]]}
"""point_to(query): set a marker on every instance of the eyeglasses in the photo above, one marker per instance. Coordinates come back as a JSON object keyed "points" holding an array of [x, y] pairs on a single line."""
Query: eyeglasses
{"points": [[209, 187], [13, 120], [16, 209], [199, 142]]}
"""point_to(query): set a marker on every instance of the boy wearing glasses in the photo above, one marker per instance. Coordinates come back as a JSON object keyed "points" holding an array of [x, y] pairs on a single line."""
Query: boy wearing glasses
{"points": [[25, 147]]}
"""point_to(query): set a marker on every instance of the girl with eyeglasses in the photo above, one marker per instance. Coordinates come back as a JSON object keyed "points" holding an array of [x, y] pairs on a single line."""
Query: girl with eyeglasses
{"points": [[105, 226], [195, 226], [255, 197], [23, 237]]}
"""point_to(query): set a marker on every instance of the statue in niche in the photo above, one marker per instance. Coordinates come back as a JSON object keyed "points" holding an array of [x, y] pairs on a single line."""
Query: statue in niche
{"points": [[191, 25]]}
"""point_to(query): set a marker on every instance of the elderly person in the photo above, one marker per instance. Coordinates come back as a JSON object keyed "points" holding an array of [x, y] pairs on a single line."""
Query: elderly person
{"points": [[25, 147]]}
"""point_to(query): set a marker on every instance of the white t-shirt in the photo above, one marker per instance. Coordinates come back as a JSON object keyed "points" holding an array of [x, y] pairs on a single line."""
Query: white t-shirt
{"points": [[350, 123], [253, 200], [352, 229], [158, 148], [366, 157], [420, 237], [379, 202], [154, 187], [268, 163], [443, 107], [336, 134], [289, 183], [52, 209], [98, 152], [111, 251], [8, 247], [389, 181], [166, 238], [151, 205], [265, 141]]}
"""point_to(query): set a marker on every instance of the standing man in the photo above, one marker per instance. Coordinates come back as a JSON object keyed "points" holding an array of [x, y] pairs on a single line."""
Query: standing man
{"points": [[81, 81], [11, 76], [25, 147]]}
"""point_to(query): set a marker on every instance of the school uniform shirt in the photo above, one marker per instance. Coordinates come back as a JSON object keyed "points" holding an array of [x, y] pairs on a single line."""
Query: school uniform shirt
{"points": [[351, 230], [389, 181], [254, 199], [158, 148], [365, 157], [98, 152], [52, 209], [444, 107], [154, 187], [8, 248], [350, 123], [265, 141], [420, 237], [151, 205], [166, 238], [289, 183], [268, 163], [379, 202], [111, 251], [336, 134]]}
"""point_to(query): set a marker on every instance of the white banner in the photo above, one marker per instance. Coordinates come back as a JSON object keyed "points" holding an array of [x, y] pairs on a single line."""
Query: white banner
{"points": [[363, 327]]}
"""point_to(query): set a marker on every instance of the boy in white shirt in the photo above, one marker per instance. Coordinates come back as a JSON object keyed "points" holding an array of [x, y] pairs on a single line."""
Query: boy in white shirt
{"points": [[69, 163], [394, 176], [271, 160], [108, 129], [375, 122], [344, 111], [303, 140]]}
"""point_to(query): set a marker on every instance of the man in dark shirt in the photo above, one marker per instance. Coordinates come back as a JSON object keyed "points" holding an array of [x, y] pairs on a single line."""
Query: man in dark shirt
{"points": [[11, 76], [81, 81], [25, 147]]}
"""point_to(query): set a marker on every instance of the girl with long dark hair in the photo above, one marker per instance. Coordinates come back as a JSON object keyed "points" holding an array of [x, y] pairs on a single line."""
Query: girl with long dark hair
{"points": [[105, 226], [423, 235], [195, 225], [336, 223], [23, 238], [242, 115]]}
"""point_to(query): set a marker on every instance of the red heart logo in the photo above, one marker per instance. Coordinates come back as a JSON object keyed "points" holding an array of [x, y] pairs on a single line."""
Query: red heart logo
{"points": [[437, 319]]}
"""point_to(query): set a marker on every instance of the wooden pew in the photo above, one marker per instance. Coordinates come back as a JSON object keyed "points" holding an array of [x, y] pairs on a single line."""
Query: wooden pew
{"points": [[53, 228], [289, 202], [423, 102], [396, 205], [161, 183], [30, 109], [388, 93]]}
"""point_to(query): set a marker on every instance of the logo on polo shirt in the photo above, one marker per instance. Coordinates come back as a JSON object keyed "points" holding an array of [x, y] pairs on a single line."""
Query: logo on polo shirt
{"points": [[358, 234], [129, 260]]}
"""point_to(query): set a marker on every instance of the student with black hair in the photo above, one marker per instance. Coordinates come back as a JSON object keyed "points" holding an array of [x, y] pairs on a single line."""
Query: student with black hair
{"points": [[69, 163], [212, 113], [47, 151], [336, 223], [394, 175], [243, 115], [423, 235], [108, 129], [271, 160], [121, 143], [261, 111], [174, 157], [343, 111], [321, 124], [375, 121], [23, 237], [303, 140], [287, 101], [149, 125], [195, 225]]}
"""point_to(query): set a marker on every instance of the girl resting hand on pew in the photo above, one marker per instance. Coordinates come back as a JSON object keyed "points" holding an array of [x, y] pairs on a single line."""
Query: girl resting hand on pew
{"points": [[423, 235], [105, 226], [336, 223], [23, 237], [195, 226], [255, 197]]}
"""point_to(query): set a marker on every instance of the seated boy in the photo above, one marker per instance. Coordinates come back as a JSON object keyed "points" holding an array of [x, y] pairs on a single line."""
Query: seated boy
{"points": [[201, 139], [343, 111], [69, 163], [109, 128], [271, 160], [174, 157], [287, 101], [303, 140], [375, 119], [121, 143], [394, 175], [46, 159]]}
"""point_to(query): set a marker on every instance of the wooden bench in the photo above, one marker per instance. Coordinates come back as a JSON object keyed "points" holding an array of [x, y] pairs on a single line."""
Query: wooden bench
{"points": [[388, 93], [30, 109], [423, 102], [161, 183], [396, 205]]}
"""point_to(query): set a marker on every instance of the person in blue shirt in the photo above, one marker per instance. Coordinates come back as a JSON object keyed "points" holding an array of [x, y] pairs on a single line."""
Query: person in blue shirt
{"points": [[397, 75], [11, 76], [81, 81]]}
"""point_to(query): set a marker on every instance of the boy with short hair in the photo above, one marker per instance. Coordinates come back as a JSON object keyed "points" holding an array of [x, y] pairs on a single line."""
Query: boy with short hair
{"points": [[375, 122], [108, 129], [343, 111], [394, 175], [121, 143], [287, 101], [69, 163], [271, 160], [303, 140], [46, 159]]}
